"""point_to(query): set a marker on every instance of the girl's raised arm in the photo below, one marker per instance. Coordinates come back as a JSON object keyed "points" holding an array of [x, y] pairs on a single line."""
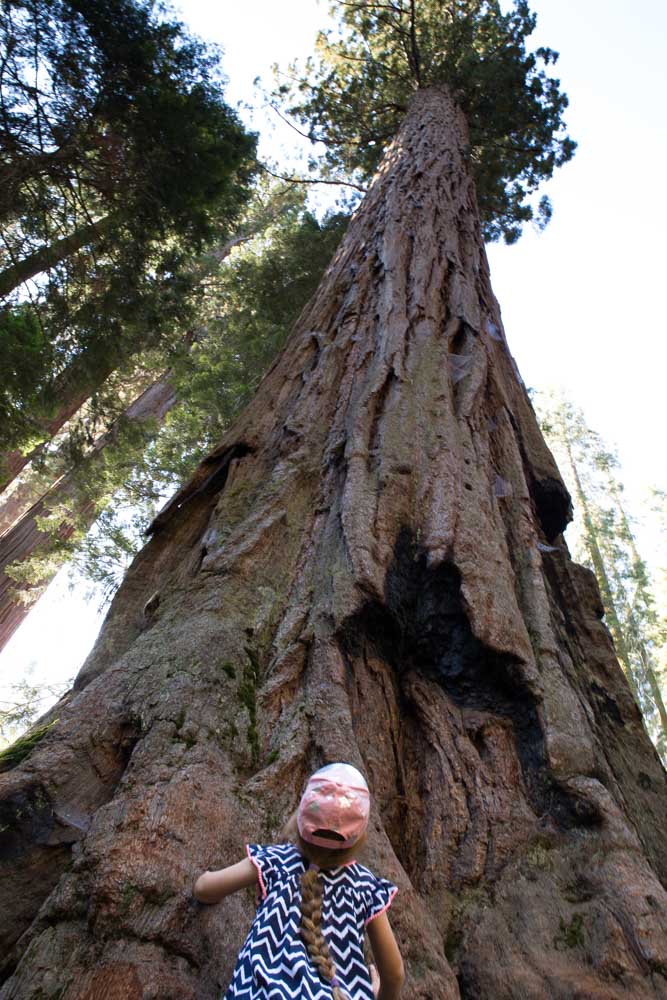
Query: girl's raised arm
{"points": [[387, 957], [211, 887]]}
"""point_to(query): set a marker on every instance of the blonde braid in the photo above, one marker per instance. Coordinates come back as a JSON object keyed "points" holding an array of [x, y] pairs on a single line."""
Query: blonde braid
{"points": [[312, 896]]}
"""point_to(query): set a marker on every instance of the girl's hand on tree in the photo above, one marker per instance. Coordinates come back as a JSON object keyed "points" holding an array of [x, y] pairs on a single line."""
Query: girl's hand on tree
{"points": [[211, 887]]}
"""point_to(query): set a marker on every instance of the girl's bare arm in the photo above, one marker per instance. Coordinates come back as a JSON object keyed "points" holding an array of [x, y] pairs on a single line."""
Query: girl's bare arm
{"points": [[387, 957], [211, 887]]}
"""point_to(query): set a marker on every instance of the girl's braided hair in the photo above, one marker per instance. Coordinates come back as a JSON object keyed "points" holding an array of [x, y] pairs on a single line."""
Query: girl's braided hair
{"points": [[312, 896], [311, 929]]}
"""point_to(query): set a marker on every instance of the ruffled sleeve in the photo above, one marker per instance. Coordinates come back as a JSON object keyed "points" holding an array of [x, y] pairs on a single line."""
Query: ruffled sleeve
{"points": [[264, 861], [380, 898]]}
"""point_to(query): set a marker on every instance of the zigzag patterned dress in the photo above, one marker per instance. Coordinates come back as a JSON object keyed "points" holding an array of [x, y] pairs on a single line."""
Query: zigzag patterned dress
{"points": [[274, 963]]}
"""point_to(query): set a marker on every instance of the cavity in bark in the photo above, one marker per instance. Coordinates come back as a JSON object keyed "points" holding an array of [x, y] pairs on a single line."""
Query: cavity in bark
{"points": [[209, 480], [552, 505], [422, 625]]}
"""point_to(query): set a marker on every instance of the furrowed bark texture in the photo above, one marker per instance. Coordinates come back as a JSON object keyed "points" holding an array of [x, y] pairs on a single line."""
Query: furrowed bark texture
{"points": [[363, 570]]}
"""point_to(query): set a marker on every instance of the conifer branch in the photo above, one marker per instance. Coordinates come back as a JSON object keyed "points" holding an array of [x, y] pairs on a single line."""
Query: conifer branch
{"points": [[312, 180]]}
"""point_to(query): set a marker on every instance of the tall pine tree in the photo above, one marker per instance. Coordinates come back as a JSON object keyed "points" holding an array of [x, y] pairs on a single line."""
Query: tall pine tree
{"points": [[249, 292], [608, 545]]}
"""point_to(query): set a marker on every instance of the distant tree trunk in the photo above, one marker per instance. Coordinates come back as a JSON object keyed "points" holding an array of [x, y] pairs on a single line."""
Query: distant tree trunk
{"points": [[73, 387], [644, 651], [361, 571], [50, 255], [604, 583], [16, 498], [13, 462], [16, 503], [22, 538], [629, 638]]}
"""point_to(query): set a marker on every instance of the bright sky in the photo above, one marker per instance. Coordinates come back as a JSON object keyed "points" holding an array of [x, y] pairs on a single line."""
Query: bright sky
{"points": [[582, 303]]}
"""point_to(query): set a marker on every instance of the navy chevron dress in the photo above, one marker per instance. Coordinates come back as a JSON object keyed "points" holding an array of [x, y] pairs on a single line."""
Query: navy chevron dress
{"points": [[274, 963]]}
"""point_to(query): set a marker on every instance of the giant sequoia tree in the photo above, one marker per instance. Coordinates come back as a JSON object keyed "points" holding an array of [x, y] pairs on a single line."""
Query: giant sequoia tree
{"points": [[362, 569]]}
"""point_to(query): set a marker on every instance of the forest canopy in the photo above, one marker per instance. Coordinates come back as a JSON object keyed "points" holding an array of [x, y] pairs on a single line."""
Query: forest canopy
{"points": [[120, 159]]}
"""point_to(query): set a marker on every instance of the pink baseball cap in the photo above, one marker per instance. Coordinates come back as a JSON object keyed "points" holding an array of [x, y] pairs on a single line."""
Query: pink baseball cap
{"points": [[334, 809]]}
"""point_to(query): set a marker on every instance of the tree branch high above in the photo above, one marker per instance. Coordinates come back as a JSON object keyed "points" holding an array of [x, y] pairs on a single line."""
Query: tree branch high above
{"points": [[354, 94], [362, 570]]}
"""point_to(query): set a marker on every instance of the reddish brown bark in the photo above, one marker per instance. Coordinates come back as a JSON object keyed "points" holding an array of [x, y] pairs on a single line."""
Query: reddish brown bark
{"points": [[341, 580], [20, 536]]}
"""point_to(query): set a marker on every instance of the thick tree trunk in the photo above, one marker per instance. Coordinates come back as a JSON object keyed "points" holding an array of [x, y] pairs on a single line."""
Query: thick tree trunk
{"points": [[361, 571], [20, 538]]}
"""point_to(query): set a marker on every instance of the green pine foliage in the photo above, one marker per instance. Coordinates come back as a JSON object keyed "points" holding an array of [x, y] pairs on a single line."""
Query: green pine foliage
{"points": [[114, 174], [17, 715], [353, 95], [27, 359], [129, 119], [607, 542]]}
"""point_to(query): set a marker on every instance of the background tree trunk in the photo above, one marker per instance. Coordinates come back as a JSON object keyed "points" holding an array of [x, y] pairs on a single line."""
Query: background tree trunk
{"points": [[13, 462], [21, 537], [48, 256], [356, 573], [602, 577], [642, 593], [73, 388]]}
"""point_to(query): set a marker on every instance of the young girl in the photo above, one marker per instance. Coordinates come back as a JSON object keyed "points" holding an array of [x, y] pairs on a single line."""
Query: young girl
{"points": [[314, 901]]}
